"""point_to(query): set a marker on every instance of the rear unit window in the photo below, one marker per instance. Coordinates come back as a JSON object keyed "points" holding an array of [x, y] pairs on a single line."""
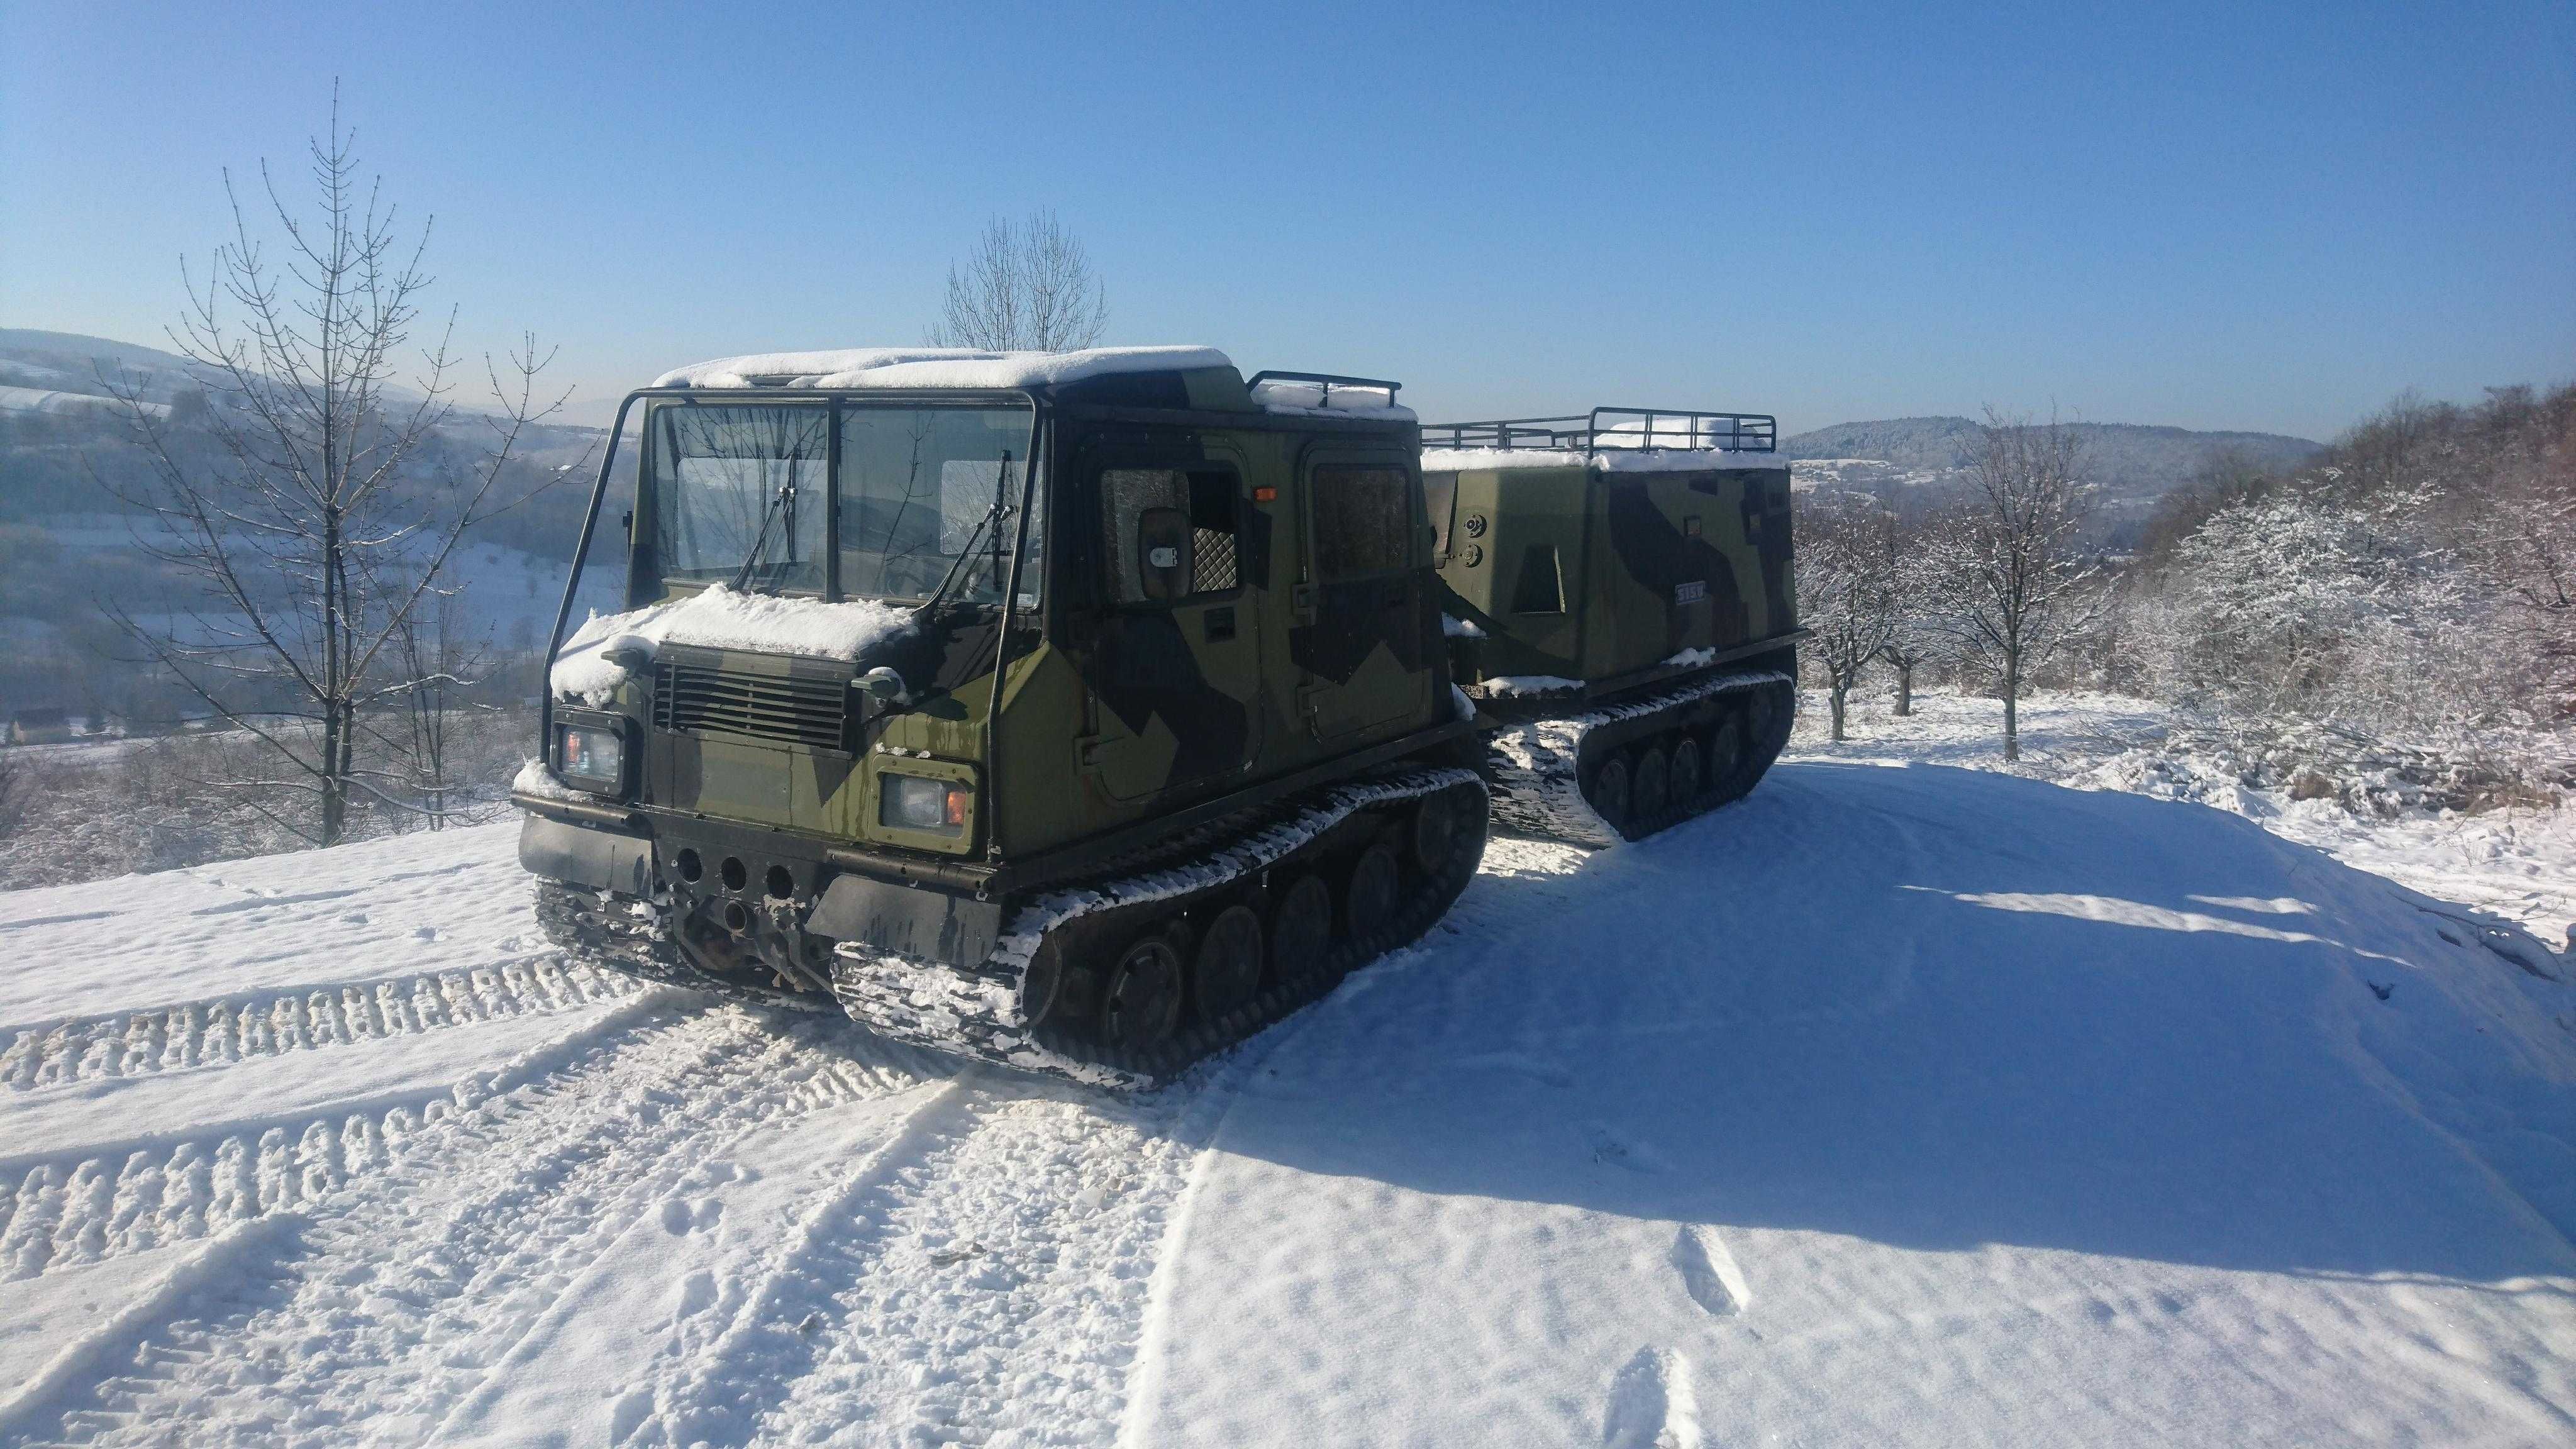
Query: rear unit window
{"points": [[1362, 521]]}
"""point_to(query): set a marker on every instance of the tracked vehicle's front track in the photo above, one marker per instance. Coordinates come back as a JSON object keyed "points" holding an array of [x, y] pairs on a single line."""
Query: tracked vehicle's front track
{"points": [[1626, 769], [1331, 880], [1056, 939]]}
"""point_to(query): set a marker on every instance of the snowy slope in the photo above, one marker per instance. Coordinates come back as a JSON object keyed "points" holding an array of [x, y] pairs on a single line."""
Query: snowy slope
{"points": [[1898, 1104]]}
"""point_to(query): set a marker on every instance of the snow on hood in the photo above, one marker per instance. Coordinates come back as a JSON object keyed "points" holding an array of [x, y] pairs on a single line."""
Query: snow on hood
{"points": [[1608, 460], [719, 618], [960, 368]]}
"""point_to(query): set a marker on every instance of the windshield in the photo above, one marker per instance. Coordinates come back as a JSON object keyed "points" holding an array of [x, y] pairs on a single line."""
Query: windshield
{"points": [[931, 492], [928, 495], [739, 494]]}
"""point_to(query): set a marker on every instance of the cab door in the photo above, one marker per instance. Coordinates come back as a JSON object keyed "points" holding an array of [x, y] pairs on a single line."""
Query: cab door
{"points": [[1172, 668], [1366, 618]]}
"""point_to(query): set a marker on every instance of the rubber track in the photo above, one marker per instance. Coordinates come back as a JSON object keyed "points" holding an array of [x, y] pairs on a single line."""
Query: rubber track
{"points": [[1537, 774], [977, 1013]]}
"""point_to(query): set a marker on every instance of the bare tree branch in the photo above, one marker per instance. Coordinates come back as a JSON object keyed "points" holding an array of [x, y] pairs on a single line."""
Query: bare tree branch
{"points": [[329, 514], [1027, 286]]}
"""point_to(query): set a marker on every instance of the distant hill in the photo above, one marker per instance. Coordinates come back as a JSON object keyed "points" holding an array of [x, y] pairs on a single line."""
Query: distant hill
{"points": [[2134, 465], [69, 363]]}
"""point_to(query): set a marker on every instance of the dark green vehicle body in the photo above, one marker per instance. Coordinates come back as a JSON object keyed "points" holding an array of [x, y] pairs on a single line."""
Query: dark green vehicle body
{"points": [[1205, 603], [1571, 566], [1619, 596]]}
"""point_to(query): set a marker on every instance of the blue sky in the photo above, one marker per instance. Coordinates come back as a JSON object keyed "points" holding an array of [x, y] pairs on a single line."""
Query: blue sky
{"points": [[2269, 217]]}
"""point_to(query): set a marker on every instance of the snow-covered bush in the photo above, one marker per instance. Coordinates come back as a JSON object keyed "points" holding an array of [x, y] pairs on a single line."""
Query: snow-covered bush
{"points": [[2399, 612], [124, 806]]}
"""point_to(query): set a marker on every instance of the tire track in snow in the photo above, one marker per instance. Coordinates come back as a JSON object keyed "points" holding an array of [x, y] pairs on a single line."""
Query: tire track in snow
{"points": [[712, 1392], [997, 1281], [413, 1282], [240, 1028], [80, 1210]]}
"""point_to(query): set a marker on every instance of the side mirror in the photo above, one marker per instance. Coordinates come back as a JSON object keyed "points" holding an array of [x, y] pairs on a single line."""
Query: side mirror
{"points": [[1163, 553], [630, 652]]}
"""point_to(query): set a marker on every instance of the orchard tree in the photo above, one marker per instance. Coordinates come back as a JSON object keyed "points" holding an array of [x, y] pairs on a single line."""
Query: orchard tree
{"points": [[325, 516], [2016, 581], [1846, 589]]}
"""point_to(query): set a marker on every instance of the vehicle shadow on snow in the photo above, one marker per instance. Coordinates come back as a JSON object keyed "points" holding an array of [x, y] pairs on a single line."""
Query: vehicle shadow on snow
{"points": [[1937, 1008]]}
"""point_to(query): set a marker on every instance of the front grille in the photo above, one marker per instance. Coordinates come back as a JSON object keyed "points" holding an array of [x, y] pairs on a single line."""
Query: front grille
{"points": [[698, 699]]}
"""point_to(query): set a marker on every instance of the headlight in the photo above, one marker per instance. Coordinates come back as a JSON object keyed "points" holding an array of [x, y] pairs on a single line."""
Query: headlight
{"points": [[910, 802], [591, 756]]}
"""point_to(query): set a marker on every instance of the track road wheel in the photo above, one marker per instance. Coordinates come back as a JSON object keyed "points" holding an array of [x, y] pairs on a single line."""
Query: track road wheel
{"points": [[1227, 973], [1687, 778], [1043, 984], [1726, 757], [1650, 787], [1609, 793], [1435, 832], [1764, 713], [1376, 884], [1143, 1005], [1301, 925]]}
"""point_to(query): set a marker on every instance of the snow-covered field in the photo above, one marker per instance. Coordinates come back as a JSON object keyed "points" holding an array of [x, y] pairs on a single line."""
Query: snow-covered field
{"points": [[1901, 1103], [2519, 863]]}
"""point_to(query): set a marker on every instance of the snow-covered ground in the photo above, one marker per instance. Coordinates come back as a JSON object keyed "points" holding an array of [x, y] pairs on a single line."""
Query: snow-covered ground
{"points": [[2517, 863], [1899, 1104]]}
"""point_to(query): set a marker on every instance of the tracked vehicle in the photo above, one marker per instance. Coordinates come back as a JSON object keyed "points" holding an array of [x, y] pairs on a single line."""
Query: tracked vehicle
{"points": [[1617, 594], [1082, 712]]}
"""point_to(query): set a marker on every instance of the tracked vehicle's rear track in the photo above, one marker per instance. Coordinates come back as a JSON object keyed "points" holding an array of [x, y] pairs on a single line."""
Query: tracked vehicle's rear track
{"points": [[1578, 777], [1037, 999]]}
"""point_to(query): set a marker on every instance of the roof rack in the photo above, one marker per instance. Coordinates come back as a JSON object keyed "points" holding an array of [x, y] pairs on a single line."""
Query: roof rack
{"points": [[1638, 428], [1326, 380]]}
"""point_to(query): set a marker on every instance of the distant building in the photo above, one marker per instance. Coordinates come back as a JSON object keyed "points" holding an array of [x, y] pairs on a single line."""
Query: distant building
{"points": [[40, 727]]}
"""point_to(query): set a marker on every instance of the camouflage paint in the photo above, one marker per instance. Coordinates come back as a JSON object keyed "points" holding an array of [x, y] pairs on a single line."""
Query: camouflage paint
{"points": [[1112, 712], [1651, 564]]}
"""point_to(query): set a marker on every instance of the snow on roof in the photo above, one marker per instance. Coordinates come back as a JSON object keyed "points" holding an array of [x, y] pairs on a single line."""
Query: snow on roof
{"points": [[719, 618], [1338, 400], [961, 368], [1608, 460]]}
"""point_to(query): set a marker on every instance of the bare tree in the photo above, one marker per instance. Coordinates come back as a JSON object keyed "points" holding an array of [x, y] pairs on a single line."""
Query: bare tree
{"points": [[1914, 637], [438, 663], [328, 510], [1026, 286], [2017, 585], [1846, 589]]}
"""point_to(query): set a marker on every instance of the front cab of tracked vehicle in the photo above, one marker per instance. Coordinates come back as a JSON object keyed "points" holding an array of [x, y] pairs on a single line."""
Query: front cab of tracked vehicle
{"points": [[910, 636]]}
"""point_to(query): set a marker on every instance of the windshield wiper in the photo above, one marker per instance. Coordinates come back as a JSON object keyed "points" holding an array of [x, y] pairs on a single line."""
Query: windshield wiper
{"points": [[1001, 505], [760, 540]]}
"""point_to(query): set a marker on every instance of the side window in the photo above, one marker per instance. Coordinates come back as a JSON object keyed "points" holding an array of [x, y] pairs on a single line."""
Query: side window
{"points": [[1173, 534], [1363, 522], [1540, 586], [1440, 500]]}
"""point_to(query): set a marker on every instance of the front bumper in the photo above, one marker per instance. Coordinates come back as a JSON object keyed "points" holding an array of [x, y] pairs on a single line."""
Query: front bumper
{"points": [[833, 905]]}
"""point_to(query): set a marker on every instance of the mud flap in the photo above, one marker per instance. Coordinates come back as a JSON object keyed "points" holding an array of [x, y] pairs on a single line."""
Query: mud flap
{"points": [[915, 921], [581, 856]]}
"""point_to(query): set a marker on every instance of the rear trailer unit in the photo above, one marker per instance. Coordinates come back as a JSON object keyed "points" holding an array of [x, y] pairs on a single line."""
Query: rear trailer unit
{"points": [[1618, 595]]}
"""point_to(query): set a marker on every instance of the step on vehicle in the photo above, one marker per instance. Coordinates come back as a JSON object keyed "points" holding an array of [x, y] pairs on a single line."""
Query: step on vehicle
{"points": [[1082, 712], [1617, 594]]}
